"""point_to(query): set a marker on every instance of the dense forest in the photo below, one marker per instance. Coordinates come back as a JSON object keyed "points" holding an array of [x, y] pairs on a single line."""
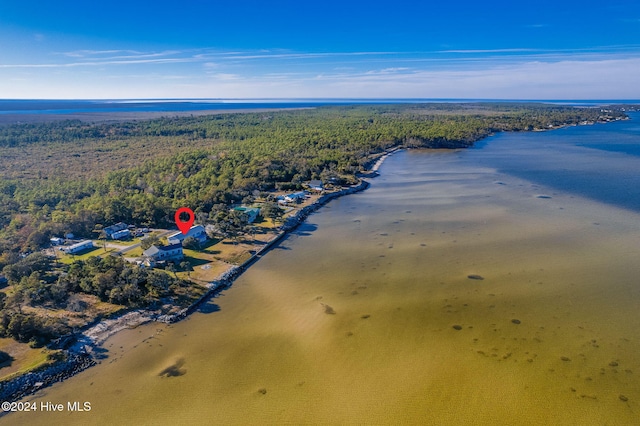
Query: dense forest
{"points": [[70, 176]]}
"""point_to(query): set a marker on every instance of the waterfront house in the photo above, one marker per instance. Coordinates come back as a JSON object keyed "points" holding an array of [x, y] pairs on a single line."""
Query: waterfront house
{"points": [[196, 231], [296, 197], [155, 254], [78, 247], [316, 185], [251, 212]]}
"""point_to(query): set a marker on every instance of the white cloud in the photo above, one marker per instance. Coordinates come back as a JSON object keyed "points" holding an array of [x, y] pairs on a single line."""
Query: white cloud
{"points": [[598, 72]]}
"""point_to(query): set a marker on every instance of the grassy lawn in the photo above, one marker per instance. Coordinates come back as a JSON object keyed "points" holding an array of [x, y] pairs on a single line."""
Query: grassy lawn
{"points": [[135, 252], [24, 357], [206, 273], [83, 255]]}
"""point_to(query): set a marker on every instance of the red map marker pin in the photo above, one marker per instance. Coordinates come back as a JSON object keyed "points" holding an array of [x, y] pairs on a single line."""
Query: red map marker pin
{"points": [[184, 226]]}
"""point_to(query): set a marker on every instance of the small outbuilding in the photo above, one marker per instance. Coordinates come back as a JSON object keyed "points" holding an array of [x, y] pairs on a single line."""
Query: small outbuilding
{"points": [[56, 241]]}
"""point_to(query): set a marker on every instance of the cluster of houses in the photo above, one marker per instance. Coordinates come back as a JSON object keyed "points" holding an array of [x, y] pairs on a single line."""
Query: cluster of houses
{"points": [[298, 197], [156, 255], [295, 197], [122, 231], [73, 248], [119, 231]]}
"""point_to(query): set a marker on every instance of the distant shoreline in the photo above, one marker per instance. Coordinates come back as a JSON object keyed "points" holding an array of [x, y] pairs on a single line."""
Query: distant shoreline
{"points": [[116, 117]]}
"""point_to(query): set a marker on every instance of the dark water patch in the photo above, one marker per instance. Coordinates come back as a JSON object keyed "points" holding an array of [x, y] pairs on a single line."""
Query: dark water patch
{"points": [[623, 148], [305, 229], [174, 370], [328, 309], [209, 308]]}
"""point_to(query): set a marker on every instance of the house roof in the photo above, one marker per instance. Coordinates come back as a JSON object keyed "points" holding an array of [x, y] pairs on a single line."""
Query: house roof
{"points": [[193, 231], [117, 227], [80, 244], [248, 210], [153, 250], [171, 247]]}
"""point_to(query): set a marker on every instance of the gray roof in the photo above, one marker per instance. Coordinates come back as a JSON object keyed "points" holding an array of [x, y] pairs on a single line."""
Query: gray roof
{"points": [[153, 250], [114, 228]]}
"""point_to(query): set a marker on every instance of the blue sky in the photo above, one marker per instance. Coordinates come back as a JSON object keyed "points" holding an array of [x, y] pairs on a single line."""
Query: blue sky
{"points": [[330, 49]]}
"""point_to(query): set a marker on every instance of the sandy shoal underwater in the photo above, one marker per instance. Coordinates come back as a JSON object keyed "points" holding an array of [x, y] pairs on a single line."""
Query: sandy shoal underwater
{"points": [[367, 315]]}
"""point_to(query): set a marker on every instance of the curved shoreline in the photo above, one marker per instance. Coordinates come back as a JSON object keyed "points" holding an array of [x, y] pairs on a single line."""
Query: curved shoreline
{"points": [[80, 353]]}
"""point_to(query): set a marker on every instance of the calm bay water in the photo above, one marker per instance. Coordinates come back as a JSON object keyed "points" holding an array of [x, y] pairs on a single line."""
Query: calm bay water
{"points": [[366, 314]]}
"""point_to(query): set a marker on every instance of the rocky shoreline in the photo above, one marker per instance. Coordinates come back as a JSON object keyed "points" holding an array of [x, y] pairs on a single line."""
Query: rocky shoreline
{"points": [[29, 383], [79, 352]]}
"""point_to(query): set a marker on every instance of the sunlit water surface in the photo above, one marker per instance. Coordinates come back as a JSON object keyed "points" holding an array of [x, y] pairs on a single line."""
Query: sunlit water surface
{"points": [[367, 314]]}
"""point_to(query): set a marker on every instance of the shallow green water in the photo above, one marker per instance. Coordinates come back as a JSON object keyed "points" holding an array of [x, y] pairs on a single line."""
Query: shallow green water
{"points": [[351, 320]]}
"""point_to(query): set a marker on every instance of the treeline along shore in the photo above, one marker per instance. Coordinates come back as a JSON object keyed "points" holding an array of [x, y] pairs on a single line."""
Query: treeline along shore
{"points": [[73, 177]]}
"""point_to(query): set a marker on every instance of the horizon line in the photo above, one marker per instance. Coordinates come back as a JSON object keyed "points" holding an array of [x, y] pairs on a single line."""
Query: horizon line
{"points": [[328, 99]]}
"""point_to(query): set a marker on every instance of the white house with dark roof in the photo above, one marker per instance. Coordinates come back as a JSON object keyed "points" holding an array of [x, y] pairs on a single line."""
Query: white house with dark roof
{"points": [[316, 185], [295, 197], [156, 254], [196, 231]]}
